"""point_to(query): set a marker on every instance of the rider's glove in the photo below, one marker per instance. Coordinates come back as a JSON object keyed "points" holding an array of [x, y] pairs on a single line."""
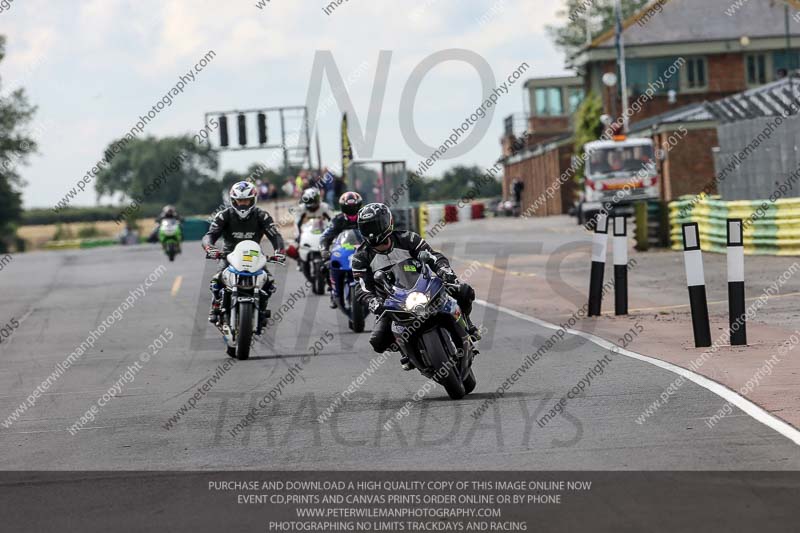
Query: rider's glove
{"points": [[447, 275], [326, 254], [213, 252], [376, 306]]}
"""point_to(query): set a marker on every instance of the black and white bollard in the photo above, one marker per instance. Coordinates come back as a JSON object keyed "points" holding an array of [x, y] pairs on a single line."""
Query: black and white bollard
{"points": [[599, 249], [695, 279], [620, 248], [736, 306]]}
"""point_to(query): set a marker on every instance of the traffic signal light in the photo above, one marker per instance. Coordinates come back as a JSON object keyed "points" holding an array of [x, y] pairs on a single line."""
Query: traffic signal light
{"points": [[223, 131], [262, 128], [242, 130]]}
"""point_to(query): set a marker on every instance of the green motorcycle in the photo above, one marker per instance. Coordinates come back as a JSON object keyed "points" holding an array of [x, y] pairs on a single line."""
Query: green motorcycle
{"points": [[170, 236]]}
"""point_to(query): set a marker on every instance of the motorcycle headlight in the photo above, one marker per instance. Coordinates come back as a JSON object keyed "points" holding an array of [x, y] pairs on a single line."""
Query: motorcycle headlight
{"points": [[416, 302]]}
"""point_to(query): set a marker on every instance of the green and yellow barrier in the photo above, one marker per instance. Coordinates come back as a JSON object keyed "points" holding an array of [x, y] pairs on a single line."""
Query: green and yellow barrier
{"points": [[771, 228]]}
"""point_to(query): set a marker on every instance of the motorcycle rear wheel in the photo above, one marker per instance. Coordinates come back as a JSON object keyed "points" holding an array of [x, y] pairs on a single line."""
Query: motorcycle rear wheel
{"points": [[469, 382]]}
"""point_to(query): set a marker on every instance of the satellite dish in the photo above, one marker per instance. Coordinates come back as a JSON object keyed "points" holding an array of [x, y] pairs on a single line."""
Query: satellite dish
{"points": [[609, 79]]}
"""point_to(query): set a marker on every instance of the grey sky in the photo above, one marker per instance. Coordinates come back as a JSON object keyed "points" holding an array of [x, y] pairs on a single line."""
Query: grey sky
{"points": [[93, 67]]}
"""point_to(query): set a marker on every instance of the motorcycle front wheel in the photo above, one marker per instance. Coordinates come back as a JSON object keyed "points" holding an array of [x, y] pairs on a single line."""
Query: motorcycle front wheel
{"points": [[435, 345], [245, 336], [358, 312]]}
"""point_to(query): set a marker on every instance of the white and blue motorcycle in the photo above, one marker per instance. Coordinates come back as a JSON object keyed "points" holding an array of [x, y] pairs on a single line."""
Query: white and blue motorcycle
{"points": [[243, 308]]}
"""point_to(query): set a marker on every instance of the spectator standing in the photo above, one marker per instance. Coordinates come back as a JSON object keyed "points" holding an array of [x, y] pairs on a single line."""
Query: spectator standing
{"points": [[517, 187], [339, 188]]}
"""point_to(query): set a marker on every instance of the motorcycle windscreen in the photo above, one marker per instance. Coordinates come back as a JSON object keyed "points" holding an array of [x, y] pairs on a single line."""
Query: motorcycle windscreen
{"points": [[315, 225], [348, 239], [406, 273]]}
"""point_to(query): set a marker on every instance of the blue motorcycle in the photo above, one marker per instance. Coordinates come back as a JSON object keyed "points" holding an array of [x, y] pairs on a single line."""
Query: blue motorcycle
{"points": [[428, 324], [345, 287]]}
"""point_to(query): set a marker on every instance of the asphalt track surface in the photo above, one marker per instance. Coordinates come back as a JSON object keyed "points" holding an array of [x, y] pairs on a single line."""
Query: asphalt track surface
{"points": [[59, 297]]}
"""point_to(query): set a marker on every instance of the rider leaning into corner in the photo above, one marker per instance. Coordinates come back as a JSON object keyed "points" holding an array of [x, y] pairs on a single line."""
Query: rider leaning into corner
{"points": [[350, 203], [382, 249], [240, 222]]}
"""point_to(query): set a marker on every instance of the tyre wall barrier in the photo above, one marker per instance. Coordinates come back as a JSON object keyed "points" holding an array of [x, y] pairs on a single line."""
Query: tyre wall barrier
{"points": [[770, 228], [431, 218]]}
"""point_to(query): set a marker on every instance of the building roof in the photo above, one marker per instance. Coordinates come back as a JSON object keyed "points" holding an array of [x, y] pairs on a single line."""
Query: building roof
{"points": [[683, 115], [554, 81], [780, 97], [682, 21]]}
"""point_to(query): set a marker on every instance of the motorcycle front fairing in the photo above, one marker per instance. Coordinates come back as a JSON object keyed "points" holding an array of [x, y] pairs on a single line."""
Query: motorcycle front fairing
{"points": [[341, 262], [411, 279], [243, 280]]}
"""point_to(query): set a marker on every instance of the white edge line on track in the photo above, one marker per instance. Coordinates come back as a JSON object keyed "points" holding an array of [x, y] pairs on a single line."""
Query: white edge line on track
{"points": [[758, 413]]}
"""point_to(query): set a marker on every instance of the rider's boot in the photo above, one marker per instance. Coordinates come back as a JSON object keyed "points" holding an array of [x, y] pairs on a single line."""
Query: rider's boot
{"points": [[405, 363], [472, 329], [214, 312]]}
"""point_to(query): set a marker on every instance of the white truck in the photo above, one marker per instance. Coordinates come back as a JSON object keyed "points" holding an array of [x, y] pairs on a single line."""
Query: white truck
{"points": [[617, 173]]}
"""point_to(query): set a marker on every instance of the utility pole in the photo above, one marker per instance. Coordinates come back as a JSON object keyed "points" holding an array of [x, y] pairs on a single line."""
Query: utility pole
{"points": [[623, 77], [791, 66]]}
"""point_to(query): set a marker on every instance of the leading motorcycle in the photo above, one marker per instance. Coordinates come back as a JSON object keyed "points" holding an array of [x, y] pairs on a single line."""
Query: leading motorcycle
{"points": [[243, 309], [428, 324], [345, 286]]}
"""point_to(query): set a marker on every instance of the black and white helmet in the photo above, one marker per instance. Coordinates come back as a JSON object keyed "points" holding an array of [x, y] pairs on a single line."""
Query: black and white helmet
{"points": [[311, 199], [375, 223], [243, 198]]}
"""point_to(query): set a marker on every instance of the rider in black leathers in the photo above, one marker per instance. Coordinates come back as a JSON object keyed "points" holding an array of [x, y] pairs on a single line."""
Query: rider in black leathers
{"points": [[350, 203], [239, 222], [383, 248]]}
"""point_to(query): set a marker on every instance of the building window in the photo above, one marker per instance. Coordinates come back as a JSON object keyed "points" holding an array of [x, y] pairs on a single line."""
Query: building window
{"points": [[643, 74], [783, 63], [574, 98], [694, 74], [549, 102], [757, 69]]}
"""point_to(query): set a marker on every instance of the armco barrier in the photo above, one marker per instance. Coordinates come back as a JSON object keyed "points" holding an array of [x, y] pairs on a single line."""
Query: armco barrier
{"points": [[775, 230]]}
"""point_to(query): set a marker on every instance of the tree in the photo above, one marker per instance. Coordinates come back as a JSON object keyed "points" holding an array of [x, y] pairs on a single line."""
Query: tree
{"points": [[571, 36], [456, 183], [172, 170], [588, 127], [15, 147]]}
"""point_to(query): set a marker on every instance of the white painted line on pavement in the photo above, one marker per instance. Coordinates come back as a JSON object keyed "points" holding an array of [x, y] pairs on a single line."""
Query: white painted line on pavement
{"points": [[758, 413]]}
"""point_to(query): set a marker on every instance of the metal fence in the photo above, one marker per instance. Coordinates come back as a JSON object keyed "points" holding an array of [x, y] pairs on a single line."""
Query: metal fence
{"points": [[751, 163]]}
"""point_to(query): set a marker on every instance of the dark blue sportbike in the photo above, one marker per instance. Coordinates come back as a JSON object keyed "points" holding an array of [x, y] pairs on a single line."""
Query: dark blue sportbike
{"points": [[428, 324], [345, 287]]}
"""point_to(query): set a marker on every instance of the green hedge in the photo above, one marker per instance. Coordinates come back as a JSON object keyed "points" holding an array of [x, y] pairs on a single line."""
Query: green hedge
{"points": [[31, 217]]}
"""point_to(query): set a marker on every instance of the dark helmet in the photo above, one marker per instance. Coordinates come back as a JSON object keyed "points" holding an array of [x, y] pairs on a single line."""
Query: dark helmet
{"points": [[375, 223], [350, 203], [169, 211]]}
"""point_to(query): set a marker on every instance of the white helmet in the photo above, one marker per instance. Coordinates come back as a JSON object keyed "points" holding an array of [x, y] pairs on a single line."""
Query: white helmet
{"points": [[311, 199], [243, 198]]}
